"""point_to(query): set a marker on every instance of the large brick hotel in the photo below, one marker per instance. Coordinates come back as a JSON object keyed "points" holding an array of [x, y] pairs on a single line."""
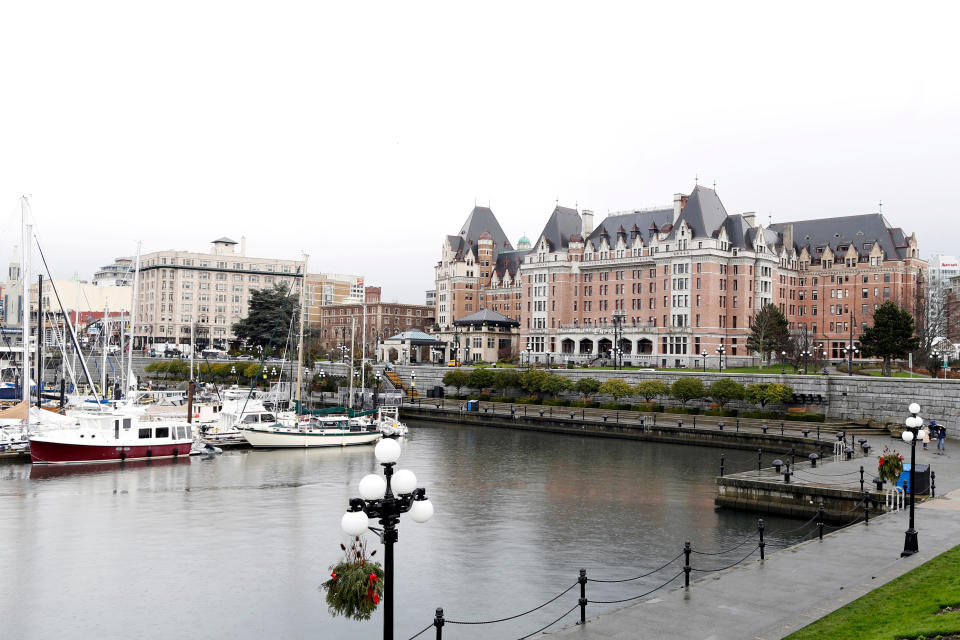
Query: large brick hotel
{"points": [[673, 282]]}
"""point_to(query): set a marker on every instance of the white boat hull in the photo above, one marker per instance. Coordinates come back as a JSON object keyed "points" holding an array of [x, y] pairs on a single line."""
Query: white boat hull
{"points": [[290, 438]]}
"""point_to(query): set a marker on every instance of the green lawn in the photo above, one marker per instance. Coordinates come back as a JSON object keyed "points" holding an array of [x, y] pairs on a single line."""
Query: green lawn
{"points": [[904, 608]]}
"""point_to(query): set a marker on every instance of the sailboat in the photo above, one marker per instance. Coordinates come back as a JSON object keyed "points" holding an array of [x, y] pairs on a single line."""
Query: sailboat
{"points": [[306, 431]]}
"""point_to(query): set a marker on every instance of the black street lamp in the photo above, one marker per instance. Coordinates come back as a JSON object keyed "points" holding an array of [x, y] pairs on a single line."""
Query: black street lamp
{"points": [[721, 350], [848, 352], [914, 422], [529, 355], [805, 355], [783, 362], [376, 392], [377, 500]]}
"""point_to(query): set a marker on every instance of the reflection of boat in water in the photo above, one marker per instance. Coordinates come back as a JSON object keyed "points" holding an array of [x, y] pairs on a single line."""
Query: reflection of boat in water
{"points": [[43, 471]]}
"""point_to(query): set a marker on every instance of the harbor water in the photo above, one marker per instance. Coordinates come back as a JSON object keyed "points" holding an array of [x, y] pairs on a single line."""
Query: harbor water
{"points": [[237, 545]]}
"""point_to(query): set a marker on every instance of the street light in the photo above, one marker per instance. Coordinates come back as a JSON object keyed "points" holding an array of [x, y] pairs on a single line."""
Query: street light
{"points": [[703, 354], [378, 501], [783, 362], [376, 392], [805, 355], [721, 350], [233, 372], [914, 422], [529, 357], [848, 352]]}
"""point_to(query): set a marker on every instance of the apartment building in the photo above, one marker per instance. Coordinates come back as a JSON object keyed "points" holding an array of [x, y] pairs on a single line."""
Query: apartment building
{"points": [[325, 289], [668, 284], [210, 290], [383, 320]]}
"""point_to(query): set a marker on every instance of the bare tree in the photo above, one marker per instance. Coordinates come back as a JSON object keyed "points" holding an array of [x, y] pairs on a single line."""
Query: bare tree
{"points": [[930, 318]]}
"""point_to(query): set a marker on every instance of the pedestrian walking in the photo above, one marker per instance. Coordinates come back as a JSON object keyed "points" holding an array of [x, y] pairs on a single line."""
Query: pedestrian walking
{"points": [[925, 436], [941, 433]]}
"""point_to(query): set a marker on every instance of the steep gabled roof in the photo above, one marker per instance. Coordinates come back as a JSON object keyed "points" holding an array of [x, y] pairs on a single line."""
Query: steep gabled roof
{"points": [[563, 223], [509, 262], [845, 230], [481, 220], [643, 220], [704, 212], [740, 233]]}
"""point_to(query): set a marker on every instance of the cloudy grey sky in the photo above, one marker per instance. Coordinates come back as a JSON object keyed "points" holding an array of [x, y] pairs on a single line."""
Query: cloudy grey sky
{"points": [[362, 133]]}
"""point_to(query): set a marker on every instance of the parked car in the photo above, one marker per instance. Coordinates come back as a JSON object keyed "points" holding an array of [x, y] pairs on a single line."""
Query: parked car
{"points": [[245, 357]]}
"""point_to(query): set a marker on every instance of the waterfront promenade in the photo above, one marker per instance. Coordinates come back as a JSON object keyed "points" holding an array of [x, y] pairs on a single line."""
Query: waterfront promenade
{"points": [[792, 588]]}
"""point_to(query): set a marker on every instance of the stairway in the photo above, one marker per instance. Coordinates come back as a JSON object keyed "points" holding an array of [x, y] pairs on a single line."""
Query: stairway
{"points": [[397, 383]]}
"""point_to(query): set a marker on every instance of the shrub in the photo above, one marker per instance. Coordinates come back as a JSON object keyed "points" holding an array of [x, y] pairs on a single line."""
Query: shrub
{"points": [[655, 408], [726, 413], [724, 390], [615, 406], [686, 389], [767, 415]]}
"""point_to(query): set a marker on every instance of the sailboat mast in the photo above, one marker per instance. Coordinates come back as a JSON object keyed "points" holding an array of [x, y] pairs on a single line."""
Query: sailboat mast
{"points": [[131, 381], [353, 328], [105, 333], [25, 301], [363, 347], [303, 298]]}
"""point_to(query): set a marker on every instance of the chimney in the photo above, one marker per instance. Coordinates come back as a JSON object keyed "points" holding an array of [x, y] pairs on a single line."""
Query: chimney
{"points": [[587, 217], [678, 202], [751, 218], [788, 237], [243, 246]]}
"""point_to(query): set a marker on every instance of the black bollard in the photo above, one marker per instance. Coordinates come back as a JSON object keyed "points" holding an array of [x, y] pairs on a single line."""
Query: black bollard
{"points": [[604, 417], [583, 414], [738, 425], [820, 519], [551, 412], [524, 411], [861, 478], [438, 623], [759, 460], [721, 465], [720, 425], [781, 427], [818, 432], [541, 413], [813, 460], [679, 424], [866, 509], [762, 543], [618, 416], [776, 465], [764, 427], [933, 484], [879, 482], [786, 474], [583, 596], [641, 425], [571, 415], [694, 421], [686, 565], [805, 432]]}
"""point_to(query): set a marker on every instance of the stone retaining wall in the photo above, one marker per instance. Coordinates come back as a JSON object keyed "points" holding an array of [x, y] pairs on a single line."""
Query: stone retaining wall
{"points": [[845, 397]]}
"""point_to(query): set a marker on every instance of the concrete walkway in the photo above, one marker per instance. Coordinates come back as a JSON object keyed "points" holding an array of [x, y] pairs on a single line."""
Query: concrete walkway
{"points": [[792, 588]]}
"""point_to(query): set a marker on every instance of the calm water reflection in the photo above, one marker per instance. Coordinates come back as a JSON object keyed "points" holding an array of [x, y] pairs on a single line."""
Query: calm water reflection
{"points": [[237, 545]]}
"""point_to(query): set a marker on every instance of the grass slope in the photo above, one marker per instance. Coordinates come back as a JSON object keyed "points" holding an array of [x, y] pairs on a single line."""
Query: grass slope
{"points": [[904, 608]]}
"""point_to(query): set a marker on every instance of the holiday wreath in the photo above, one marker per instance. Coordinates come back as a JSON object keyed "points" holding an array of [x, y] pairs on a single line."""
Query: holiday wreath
{"points": [[355, 586]]}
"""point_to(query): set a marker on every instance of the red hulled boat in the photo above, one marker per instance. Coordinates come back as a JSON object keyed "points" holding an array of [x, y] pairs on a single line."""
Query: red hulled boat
{"points": [[111, 438]]}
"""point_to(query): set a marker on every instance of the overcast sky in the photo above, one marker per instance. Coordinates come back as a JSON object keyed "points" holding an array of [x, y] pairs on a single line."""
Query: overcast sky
{"points": [[363, 133]]}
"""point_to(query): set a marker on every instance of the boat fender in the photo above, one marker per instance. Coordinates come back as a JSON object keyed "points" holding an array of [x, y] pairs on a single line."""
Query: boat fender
{"points": [[123, 455], [149, 453], [176, 452]]}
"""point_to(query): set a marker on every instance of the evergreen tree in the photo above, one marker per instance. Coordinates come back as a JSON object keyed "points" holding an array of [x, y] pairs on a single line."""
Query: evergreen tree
{"points": [[269, 309], [770, 332], [891, 335]]}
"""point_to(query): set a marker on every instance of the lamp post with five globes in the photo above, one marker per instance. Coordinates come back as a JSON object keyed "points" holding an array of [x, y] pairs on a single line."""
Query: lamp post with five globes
{"points": [[377, 500], [914, 422]]}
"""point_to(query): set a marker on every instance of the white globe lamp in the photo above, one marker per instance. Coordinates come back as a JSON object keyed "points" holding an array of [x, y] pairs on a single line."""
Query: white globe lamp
{"points": [[373, 487], [387, 451], [421, 511], [914, 408], [907, 436], [404, 482], [354, 523]]}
